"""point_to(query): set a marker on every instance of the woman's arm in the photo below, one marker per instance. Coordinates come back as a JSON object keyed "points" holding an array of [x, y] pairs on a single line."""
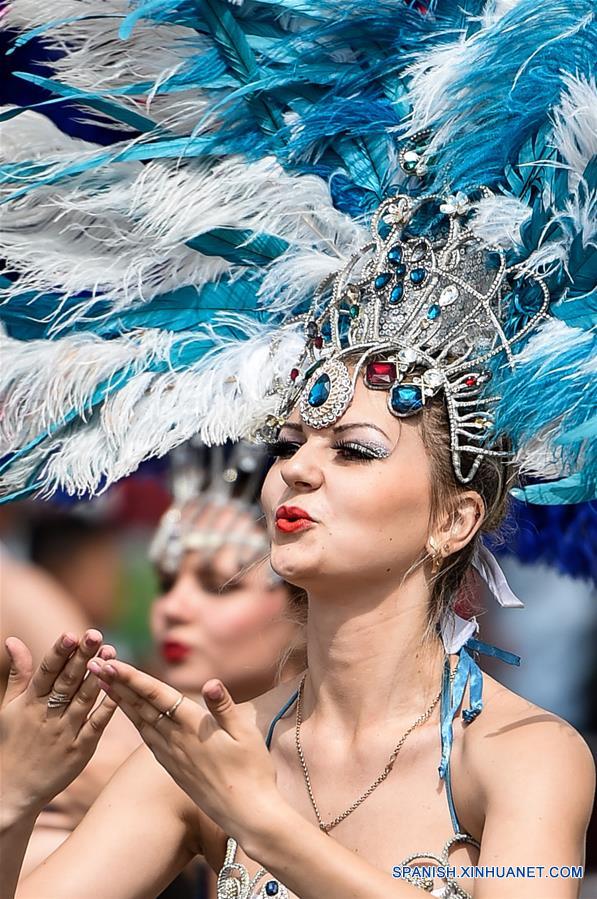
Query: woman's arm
{"points": [[138, 835], [313, 864], [538, 778], [219, 758]]}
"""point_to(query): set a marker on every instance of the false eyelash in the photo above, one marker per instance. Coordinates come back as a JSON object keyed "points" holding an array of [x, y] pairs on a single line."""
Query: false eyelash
{"points": [[278, 448], [368, 453], [353, 451]]}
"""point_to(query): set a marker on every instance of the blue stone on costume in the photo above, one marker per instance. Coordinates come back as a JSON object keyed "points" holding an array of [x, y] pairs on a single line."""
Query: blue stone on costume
{"points": [[320, 391], [434, 312], [406, 399], [396, 293], [395, 255], [418, 275], [271, 888], [400, 270], [382, 280]]}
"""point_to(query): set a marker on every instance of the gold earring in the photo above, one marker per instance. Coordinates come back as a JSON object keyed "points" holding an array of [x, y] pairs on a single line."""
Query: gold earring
{"points": [[437, 556]]}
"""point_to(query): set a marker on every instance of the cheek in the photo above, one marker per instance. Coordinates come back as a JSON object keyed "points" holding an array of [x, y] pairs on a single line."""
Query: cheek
{"points": [[384, 509], [156, 619], [241, 616]]}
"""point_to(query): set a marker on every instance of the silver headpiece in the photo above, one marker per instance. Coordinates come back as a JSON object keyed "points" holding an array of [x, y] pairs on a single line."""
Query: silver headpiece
{"points": [[203, 480], [421, 308]]}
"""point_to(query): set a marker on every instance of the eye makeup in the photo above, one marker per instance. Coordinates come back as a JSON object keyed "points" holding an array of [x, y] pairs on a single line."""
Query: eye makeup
{"points": [[350, 450]]}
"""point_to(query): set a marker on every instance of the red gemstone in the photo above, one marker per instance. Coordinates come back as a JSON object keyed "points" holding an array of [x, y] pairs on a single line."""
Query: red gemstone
{"points": [[471, 381], [294, 374], [380, 374], [318, 342]]}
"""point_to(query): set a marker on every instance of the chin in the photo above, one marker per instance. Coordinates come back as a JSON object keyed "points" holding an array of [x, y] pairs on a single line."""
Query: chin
{"points": [[186, 679], [299, 568]]}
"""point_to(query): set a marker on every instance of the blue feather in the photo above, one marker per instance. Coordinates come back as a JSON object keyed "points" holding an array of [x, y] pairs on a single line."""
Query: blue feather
{"points": [[511, 75]]}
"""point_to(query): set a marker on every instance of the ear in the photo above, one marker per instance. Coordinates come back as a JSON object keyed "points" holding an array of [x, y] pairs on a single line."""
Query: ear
{"points": [[459, 526]]}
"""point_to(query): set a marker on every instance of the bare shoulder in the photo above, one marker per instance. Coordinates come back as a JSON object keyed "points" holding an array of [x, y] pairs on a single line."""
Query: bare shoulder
{"points": [[515, 749]]}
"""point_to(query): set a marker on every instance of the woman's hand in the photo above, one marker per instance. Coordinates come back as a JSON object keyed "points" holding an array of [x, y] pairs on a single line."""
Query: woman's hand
{"points": [[218, 757], [44, 747]]}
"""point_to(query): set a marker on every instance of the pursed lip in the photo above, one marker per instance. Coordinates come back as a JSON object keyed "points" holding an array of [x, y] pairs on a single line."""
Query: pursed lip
{"points": [[292, 518]]}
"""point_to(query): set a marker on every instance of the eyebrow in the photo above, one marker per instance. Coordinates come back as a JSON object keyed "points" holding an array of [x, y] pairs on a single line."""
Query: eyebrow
{"points": [[339, 429]]}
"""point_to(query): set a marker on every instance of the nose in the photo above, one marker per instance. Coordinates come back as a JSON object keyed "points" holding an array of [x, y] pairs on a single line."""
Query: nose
{"points": [[302, 471]]}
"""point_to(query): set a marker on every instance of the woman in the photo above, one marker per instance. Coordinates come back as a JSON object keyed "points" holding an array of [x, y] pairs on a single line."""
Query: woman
{"points": [[409, 366], [369, 677], [221, 610]]}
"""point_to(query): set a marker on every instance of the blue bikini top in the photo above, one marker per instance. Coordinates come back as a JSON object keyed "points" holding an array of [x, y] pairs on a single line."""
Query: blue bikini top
{"points": [[467, 672]]}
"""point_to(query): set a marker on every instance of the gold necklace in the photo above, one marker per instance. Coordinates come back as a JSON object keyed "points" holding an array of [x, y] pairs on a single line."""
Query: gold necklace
{"points": [[390, 764]]}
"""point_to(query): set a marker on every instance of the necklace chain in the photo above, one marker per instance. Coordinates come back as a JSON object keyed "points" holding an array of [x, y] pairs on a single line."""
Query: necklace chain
{"points": [[390, 764]]}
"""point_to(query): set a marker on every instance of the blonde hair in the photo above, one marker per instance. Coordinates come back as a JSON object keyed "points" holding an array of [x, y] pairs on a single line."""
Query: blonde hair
{"points": [[492, 482]]}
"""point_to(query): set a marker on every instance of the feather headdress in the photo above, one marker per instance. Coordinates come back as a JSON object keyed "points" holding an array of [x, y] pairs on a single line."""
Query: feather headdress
{"points": [[161, 286]]}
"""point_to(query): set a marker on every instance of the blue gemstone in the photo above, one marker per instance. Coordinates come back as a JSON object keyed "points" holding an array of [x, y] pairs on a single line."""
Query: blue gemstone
{"points": [[395, 255], [406, 399], [271, 888], [434, 312], [400, 270], [320, 391], [396, 293], [382, 280], [418, 275]]}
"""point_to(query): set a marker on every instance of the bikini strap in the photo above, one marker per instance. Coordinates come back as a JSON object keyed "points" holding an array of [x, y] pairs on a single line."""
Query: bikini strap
{"points": [[275, 720], [467, 672]]}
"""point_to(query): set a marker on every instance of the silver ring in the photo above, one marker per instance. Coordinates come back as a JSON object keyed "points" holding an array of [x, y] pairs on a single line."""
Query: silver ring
{"points": [[170, 712], [57, 700]]}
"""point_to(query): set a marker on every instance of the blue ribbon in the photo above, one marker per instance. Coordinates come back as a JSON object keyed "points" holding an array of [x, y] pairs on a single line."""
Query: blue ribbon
{"points": [[467, 671]]}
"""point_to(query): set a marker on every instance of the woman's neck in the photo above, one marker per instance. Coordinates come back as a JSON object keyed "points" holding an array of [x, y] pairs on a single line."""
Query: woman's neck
{"points": [[367, 664]]}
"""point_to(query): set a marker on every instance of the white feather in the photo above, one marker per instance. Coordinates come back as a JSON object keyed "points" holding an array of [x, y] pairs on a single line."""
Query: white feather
{"points": [[497, 220], [119, 233], [224, 396], [575, 125], [543, 456], [42, 380], [98, 60]]}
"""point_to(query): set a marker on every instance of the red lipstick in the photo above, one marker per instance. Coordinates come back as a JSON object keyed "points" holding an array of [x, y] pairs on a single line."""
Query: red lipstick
{"points": [[174, 652], [292, 518]]}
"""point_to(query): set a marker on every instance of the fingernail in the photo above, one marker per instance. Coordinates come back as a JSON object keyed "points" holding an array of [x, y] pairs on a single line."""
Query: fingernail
{"points": [[215, 692], [94, 666], [68, 641], [109, 669], [91, 641]]}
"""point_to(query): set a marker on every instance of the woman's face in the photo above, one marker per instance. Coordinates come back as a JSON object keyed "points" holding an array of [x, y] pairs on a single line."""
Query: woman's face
{"points": [[208, 622], [366, 483]]}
